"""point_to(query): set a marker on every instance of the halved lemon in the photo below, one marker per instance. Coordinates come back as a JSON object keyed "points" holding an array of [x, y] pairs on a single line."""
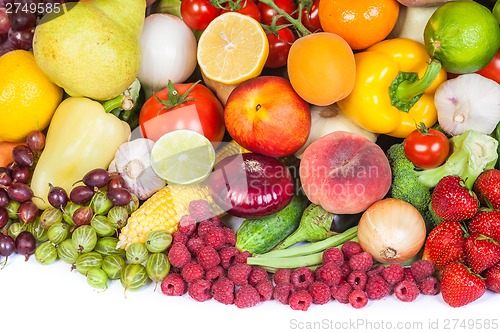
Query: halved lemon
{"points": [[232, 49], [183, 157]]}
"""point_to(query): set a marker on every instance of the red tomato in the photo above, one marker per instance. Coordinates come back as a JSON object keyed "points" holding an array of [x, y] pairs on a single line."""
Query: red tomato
{"points": [[199, 110], [197, 14], [492, 70], [247, 7], [279, 47], [427, 148], [310, 17], [267, 13]]}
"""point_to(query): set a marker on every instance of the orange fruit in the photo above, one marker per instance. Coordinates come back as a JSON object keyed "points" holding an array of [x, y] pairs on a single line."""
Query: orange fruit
{"points": [[321, 68], [360, 23]]}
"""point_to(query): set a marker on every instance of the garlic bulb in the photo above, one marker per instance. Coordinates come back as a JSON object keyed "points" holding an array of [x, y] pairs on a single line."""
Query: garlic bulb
{"points": [[132, 162]]}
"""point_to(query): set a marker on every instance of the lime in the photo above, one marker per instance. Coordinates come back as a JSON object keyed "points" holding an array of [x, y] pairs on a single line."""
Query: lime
{"points": [[183, 157], [496, 11], [463, 35]]}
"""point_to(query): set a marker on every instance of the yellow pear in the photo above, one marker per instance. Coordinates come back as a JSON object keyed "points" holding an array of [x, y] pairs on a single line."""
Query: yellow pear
{"points": [[91, 48]]}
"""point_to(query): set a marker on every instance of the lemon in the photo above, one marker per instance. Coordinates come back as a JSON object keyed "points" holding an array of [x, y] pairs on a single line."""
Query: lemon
{"points": [[183, 157], [464, 36], [28, 98], [232, 49]]}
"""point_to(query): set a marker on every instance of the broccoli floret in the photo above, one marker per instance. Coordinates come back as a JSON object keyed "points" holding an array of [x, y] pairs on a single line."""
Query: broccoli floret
{"points": [[406, 186], [472, 153]]}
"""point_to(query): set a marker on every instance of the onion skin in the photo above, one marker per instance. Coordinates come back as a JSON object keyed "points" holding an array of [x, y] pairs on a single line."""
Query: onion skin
{"points": [[392, 231]]}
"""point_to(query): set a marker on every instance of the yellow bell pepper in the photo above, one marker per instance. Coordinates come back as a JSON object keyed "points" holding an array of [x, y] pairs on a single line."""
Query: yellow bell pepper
{"points": [[394, 88], [82, 136]]}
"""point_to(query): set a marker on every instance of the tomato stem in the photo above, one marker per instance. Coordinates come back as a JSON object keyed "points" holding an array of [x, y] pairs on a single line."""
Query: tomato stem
{"points": [[174, 99], [297, 23]]}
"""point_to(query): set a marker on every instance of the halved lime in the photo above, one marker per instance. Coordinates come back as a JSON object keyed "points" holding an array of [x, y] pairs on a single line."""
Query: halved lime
{"points": [[183, 157]]}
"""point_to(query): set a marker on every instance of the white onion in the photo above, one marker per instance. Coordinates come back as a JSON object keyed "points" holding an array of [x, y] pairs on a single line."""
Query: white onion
{"points": [[168, 52]]}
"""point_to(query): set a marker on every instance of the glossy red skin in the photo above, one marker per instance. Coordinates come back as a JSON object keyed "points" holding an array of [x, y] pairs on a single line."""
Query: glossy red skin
{"points": [[492, 70], [249, 8], [279, 47], [310, 18], [197, 14], [267, 13], [203, 114], [426, 150], [251, 185]]}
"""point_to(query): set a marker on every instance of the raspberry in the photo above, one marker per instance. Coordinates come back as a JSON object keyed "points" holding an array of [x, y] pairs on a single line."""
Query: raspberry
{"points": [[203, 227], [228, 256], [282, 292], [302, 278], [216, 221], [215, 273], [341, 292], [215, 237], [223, 291], [357, 280], [394, 273], [350, 248], [208, 257], [330, 273], [377, 287], [187, 225], [173, 285], [246, 296], [300, 300], [241, 258], [192, 272], [361, 262], [200, 210], [377, 269], [179, 237], [200, 290], [257, 275], [265, 289], [282, 275], [409, 274], [179, 255], [230, 236], [358, 299], [429, 286], [345, 270], [422, 269], [238, 273], [320, 292], [194, 244], [406, 291], [334, 255]]}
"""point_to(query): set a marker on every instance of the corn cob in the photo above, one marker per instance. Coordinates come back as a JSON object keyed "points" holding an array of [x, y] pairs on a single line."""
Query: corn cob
{"points": [[164, 209]]}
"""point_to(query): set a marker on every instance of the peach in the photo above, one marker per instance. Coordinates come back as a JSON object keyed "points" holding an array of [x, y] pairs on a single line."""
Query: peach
{"points": [[345, 172]]}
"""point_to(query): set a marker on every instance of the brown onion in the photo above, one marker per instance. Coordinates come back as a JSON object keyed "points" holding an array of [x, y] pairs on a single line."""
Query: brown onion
{"points": [[391, 230]]}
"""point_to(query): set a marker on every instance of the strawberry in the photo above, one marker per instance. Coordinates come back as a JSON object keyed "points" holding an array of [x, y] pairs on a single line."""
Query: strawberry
{"points": [[486, 222], [492, 276], [460, 286], [481, 252], [453, 201], [444, 244], [487, 188]]}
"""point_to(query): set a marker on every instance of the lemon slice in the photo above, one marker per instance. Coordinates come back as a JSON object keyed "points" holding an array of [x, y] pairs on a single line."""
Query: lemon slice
{"points": [[183, 157], [232, 49]]}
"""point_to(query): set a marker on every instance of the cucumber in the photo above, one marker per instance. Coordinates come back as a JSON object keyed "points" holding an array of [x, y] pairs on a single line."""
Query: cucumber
{"points": [[260, 235]]}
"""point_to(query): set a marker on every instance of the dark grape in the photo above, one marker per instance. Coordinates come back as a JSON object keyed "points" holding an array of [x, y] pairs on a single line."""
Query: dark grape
{"points": [[6, 47], [3, 38], [96, 178], [25, 244], [7, 246], [20, 192], [35, 140], [5, 176], [4, 198], [81, 194], [4, 217], [83, 215], [27, 211], [116, 181], [4, 21], [119, 196], [22, 20], [23, 155], [57, 197], [21, 174], [22, 39]]}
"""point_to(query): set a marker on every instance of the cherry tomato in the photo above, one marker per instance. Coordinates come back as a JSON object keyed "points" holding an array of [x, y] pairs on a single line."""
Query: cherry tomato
{"points": [[492, 70], [267, 13], [200, 111], [310, 17], [279, 47], [247, 7], [426, 148], [197, 14]]}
